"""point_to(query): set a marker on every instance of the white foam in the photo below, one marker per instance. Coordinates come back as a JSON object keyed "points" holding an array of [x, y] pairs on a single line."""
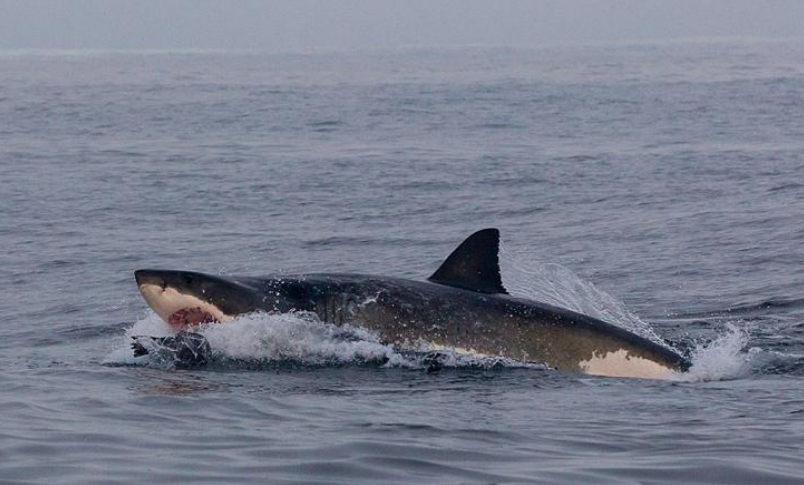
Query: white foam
{"points": [[296, 337], [302, 338], [152, 326], [720, 359]]}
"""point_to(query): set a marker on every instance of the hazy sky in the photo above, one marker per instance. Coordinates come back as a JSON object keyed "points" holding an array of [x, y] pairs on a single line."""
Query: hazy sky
{"points": [[304, 24]]}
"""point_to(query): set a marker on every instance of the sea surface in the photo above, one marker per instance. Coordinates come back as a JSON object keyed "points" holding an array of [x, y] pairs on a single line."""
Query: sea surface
{"points": [[657, 186]]}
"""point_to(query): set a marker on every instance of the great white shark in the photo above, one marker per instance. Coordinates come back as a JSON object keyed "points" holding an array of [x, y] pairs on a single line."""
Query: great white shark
{"points": [[463, 305]]}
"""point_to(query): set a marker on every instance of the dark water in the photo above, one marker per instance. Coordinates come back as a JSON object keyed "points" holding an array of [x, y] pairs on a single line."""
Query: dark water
{"points": [[666, 176]]}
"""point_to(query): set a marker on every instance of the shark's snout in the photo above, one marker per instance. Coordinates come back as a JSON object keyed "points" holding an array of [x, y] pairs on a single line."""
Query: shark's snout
{"points": [[149, 277], [177, 298]]}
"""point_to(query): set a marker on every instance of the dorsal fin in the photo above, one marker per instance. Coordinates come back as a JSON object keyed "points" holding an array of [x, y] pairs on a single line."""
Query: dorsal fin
{"points": [[475, 265]]}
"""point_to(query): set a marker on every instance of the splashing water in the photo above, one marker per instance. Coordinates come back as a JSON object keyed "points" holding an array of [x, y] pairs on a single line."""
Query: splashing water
{"points": [[297, 337], [720, 359], [556, 285], [303, 339]]}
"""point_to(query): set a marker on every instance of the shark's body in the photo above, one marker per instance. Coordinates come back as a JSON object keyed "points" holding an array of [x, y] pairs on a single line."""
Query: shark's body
{"points": [[463, 305]]}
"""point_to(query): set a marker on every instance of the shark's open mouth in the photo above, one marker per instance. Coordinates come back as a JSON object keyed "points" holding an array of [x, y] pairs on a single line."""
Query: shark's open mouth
{"points": [[188, 317], [181, 310]]}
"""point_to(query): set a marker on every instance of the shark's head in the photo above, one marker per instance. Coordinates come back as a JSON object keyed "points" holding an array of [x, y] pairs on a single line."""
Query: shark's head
{"points": [[185, 298]]}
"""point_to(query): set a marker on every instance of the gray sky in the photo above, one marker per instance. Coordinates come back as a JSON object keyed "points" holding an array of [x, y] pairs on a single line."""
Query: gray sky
{"points": [[304, 24]]}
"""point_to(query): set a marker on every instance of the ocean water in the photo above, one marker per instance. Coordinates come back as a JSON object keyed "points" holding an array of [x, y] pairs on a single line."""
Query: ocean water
{"points": [[657, 186]]}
